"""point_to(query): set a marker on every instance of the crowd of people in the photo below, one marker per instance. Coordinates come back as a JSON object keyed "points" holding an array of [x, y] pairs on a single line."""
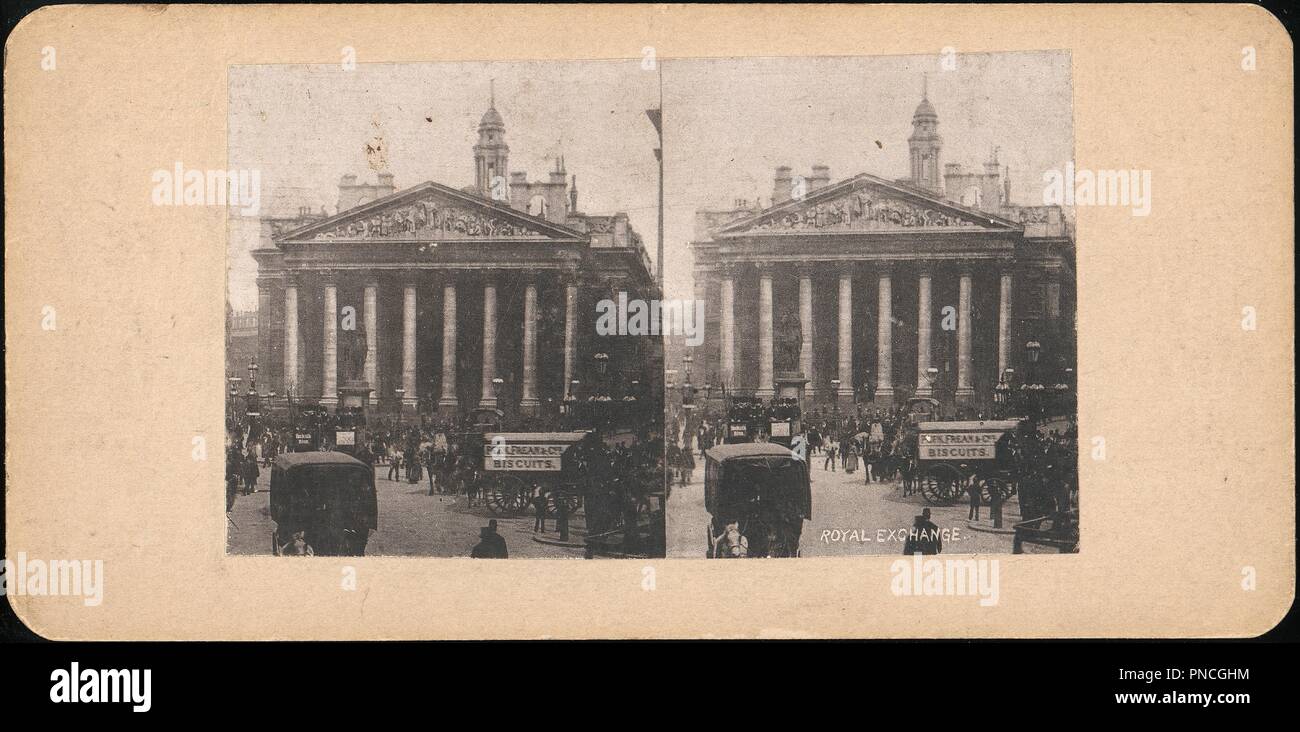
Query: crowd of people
{"points": [[883, 443], [616, 483]]}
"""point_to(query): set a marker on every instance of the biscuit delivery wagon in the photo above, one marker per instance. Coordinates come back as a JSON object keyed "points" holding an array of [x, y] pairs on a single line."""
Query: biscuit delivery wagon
{"points": [[952, 455], [516, 464]]}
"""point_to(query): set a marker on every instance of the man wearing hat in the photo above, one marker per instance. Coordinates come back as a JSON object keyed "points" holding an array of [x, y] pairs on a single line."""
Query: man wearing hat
{"points": [[924, 537], [491, 545]]}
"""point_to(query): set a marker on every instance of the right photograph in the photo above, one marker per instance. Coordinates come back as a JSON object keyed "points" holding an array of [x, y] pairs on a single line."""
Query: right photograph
{"points": [[884, 250]]}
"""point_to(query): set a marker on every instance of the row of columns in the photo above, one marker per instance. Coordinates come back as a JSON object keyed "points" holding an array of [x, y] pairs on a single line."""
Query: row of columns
{"points": [[447, 397], [884, 332]]}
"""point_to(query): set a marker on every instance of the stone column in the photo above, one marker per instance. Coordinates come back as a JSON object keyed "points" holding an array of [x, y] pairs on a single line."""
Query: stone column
{"points": [[885, 342], [447, 400], [1004, 323], [923, 386], [570, 334], [805, 330], [728, 329], [487, 397], [965, 392], [372, 334], [329, 392], [766, 381], [408, 345], [846, 336], [291, 337], [264, 328], [528, 402]]}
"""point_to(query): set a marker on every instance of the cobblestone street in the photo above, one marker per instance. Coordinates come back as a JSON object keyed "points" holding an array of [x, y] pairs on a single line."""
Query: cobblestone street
{"points": [[850, 518], [411, 523]]}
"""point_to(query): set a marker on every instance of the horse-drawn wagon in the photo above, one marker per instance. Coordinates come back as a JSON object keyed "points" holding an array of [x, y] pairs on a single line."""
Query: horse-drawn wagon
{"points": [[510, 467], [953, 456]]}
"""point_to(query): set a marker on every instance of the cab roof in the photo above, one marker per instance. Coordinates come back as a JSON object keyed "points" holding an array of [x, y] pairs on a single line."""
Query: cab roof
{"points": [[294, 459], [747, 449]]}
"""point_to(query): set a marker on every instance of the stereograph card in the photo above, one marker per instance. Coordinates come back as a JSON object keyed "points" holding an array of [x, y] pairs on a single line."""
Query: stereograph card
{"points": [[955, 321]]}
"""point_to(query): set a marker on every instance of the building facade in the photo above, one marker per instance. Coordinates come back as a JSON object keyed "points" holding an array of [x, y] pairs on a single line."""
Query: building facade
{"points": [[443, 299], [877, 290]]}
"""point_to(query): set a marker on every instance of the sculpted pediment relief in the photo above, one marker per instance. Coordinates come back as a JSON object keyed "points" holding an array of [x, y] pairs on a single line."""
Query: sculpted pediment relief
{"points": [[428, 215], [864, 207]]}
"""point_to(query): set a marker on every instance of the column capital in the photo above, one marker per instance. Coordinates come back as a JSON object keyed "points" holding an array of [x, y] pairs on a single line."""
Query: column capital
{"points": [[842, 268], [328, 276]]}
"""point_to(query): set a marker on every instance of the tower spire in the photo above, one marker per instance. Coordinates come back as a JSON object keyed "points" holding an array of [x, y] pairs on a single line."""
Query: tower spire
{"points": [[924, 143], [491, 154]]}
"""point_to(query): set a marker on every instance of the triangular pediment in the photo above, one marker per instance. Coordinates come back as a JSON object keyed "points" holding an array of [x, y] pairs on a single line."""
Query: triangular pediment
{"points": [[865, 203], [430, 212]]}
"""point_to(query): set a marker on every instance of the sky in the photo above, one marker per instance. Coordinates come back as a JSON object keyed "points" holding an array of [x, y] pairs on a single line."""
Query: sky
{"points": [[728, 123], [305, 126]]}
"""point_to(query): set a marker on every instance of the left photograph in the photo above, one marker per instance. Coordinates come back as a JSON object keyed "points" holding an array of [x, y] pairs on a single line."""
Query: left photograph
{"points": [[425, 276]]}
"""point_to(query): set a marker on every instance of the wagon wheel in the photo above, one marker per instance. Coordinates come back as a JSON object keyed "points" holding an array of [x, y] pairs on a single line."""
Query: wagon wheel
{"points": [[506, 495], [941, 486], [515, 494], [572, 501], [1002, 486]]}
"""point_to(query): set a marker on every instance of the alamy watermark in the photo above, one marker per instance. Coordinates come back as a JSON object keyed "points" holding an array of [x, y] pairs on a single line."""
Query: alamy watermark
{"points": [[651, 318], [920, 577], [1083, 187], [63, 577], [98, 686], [180, 186]]}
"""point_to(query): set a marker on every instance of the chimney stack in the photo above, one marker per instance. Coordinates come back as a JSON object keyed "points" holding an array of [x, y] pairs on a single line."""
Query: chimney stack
{"points": [[820, 178], [781, 185]]}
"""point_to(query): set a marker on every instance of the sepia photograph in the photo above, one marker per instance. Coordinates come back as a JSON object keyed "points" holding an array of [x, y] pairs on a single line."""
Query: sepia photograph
{"points": [[414, 360], [888, 364], [938, 308]]}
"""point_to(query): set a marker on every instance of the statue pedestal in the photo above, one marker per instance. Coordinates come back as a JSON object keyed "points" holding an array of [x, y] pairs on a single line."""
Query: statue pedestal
{"points": [[356, 393], [791, 385], [353, 394]]}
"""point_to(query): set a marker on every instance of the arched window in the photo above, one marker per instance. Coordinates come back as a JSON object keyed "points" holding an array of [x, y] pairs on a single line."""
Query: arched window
{"points": [[537, 206]]}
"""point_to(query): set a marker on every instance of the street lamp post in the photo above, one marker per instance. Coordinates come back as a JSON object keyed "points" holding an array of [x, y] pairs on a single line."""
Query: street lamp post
{"points": [[1002, 392], [497, 383], [602, 366], [931, 376], [835, 389], [232, 420], [568, 406], [1031, 387]]}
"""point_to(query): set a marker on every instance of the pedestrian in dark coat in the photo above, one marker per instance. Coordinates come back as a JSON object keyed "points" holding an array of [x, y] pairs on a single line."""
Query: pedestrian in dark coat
{"points": [[491, 545], [973, 495], [924, 536], [251, 471], [539, 511]]}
